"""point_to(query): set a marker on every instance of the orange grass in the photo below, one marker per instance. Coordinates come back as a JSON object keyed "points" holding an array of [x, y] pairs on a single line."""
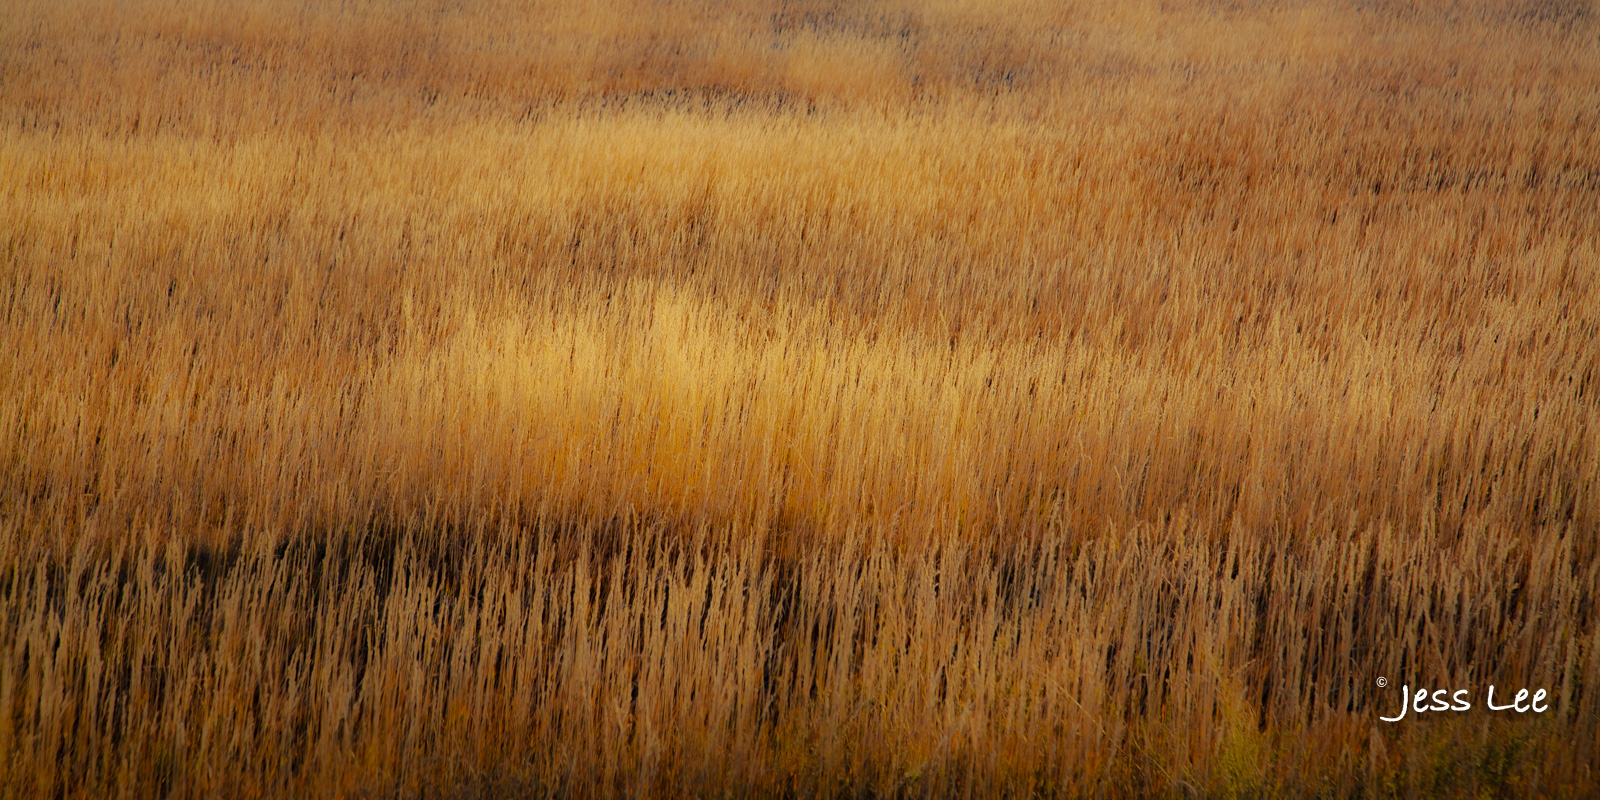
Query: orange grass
{"points": [[796, 397]]}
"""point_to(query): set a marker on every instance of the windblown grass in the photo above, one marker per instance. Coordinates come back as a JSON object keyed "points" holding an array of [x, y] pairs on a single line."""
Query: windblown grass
{"points": [[796, 397]]}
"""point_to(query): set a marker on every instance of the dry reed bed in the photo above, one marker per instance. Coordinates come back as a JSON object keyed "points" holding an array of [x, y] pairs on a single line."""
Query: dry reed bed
{"points": [[506, 329], [795, 397], [1130, 664]]}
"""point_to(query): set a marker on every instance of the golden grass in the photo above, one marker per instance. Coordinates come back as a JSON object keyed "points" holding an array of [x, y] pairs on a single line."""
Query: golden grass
{"points": [[796, 397]]}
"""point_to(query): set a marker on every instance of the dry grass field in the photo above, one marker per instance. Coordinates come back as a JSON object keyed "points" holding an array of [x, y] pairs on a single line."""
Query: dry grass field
{"points": [[484, 398]]}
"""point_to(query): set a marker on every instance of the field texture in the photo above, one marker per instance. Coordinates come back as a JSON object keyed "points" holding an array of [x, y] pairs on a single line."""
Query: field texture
{"points": [[797, 398]]}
